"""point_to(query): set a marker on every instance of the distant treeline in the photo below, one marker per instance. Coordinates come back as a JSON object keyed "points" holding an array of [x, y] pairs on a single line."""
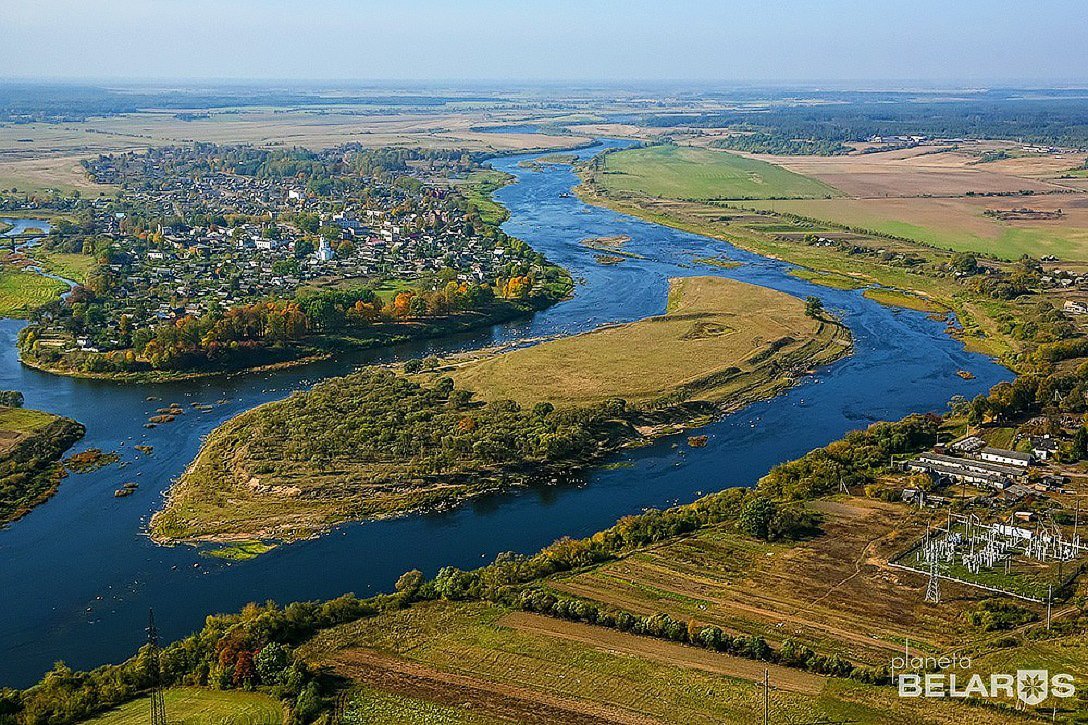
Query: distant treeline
{"points": [[58, 103], [769, 143], [1061, 121]]}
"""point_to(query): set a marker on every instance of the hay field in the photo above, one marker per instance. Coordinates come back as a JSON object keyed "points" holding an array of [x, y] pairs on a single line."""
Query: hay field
{"points": [[677, 172], [960, 224], [39, 156], [497, 664], [713, 326], [312, 128], [835, 592], [925, 171], [62, 173], [194, 706]]}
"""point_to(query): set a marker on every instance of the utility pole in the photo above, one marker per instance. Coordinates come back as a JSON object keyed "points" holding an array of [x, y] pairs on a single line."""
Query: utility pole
{"points": [[1049, 598], [766, 696], [154, 674]]}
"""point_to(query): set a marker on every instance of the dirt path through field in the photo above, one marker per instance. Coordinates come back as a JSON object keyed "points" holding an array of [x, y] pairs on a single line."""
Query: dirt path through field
{"points": [[519, 704], [602, 638]]}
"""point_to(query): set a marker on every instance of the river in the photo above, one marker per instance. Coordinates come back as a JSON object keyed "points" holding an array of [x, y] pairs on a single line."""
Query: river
{"points": [[78, 574]]}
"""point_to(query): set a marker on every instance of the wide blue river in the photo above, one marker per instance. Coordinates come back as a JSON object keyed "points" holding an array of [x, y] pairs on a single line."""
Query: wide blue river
{"points": [[78, 574]]}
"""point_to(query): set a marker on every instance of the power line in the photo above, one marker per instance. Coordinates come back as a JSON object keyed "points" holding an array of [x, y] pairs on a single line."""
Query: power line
{"points": [[154, 672]]}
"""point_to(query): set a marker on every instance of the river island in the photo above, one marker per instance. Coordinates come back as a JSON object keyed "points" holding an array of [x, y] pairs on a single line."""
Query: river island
{"points": [[379, 443]]}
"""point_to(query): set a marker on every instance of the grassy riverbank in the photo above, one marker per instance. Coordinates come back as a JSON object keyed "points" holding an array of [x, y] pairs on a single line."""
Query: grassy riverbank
{"points": [[23, 292], [31, 445], [891, 263], [376, 444]]}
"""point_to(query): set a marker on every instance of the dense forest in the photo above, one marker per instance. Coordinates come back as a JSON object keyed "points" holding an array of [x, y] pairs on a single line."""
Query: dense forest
{"points": [[1056, 120], [772, 143]]}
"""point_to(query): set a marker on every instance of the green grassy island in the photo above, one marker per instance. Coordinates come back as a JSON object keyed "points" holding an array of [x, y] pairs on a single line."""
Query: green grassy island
{"points": [[377, 443]]}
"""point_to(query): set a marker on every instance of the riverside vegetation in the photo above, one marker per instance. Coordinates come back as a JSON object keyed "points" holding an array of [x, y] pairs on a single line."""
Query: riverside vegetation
{"points": [[274, 650], [31, 445], [376, 443]]}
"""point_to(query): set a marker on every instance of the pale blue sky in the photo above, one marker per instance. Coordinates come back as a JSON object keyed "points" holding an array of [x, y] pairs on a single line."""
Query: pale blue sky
{"points": [[951, 41]]}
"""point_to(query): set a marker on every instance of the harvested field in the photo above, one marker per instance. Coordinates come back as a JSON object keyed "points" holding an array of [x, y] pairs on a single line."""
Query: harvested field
{"points": [[313, 128], [921, 171], [835, 592], [494, 664], [63, 173], [601, 638], [370, 706]]}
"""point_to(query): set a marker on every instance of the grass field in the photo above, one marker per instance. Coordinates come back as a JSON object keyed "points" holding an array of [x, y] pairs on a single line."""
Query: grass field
{"points": [[17, 424], [694, 173], [62, 173], [192, 706], [959, 224], [717, 339], [478, 189], [23, 420], [829, 279], [375, 707], [21, 292], [76, 267], [898, 298], [530, 668]]}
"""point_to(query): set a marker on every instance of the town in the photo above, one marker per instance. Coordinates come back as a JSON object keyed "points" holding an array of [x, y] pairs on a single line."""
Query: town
{"points": [[198, 231]]}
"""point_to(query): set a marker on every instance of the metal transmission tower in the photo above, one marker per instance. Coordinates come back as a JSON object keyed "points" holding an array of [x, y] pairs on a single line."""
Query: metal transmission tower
{"points": [[154, 675], [933, 589]]}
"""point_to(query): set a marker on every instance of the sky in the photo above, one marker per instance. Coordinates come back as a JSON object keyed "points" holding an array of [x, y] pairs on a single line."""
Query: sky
{"points": [[846, 41]]}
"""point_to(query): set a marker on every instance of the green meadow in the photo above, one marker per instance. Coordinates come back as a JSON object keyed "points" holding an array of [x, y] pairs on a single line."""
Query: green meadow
{"points": [[676, 172]]}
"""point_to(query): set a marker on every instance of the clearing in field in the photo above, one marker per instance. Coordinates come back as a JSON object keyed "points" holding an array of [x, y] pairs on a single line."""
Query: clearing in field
{"points": [[22, 292], [718, 338], [961, 224], [194, 706], [695, 173], [18, 424], [73, 266], [494, 663]]}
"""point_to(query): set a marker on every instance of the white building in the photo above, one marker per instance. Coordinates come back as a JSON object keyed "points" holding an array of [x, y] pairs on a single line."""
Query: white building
{"points": [[1008, 458], [324, 252]]}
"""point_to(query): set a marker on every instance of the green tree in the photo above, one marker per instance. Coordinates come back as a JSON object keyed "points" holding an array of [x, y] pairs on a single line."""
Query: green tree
{"points": [[756, 516]]}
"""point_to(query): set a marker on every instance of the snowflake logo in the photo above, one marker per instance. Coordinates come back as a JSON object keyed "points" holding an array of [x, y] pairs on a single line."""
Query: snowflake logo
{"points": [[1032, 686]]}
